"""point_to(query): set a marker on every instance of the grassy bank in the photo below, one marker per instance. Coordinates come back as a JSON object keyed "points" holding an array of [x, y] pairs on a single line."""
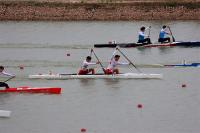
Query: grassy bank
{"points": [[59, 3], [99, 10]]}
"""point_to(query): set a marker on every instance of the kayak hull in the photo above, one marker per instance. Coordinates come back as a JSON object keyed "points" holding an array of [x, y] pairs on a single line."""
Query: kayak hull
{"points": [[50, 90], [98, 76], [122, 45], [159, 45], [5, 113], [184, 65], [188, 44], [130, 45]]}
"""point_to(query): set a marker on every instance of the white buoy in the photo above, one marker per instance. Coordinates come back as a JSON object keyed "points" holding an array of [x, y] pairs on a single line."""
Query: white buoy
{"points": [[5, 113]]}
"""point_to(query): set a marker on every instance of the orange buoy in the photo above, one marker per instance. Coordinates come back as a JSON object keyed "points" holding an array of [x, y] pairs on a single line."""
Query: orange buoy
{"points": [[139, 106], [83, 130], [183, 85], [21, 67]]}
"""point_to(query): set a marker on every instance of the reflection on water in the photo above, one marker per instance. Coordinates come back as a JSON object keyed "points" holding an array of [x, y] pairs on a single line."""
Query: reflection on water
{"points": [[91, 82], [144, 50], [164, 50], [87, 82], [112, 82]]}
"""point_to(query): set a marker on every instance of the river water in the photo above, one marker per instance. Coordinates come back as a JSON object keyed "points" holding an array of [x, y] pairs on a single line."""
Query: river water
{"points": [[99, 106]]}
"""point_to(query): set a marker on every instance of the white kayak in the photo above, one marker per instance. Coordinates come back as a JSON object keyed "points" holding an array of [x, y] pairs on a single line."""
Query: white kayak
{"points": [[5, 113], [97, 76]]}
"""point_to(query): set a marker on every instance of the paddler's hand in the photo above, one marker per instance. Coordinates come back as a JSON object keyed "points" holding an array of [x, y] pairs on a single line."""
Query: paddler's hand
{"points": [[168, 33], [97, 62]]}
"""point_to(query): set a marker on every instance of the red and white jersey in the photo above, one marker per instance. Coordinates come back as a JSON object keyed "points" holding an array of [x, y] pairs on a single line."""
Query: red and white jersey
{"points": [[113, 64], [86, 64]]}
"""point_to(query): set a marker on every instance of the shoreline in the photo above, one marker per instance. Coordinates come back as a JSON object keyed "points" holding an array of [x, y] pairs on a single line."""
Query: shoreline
{"points": [[60, 11]]}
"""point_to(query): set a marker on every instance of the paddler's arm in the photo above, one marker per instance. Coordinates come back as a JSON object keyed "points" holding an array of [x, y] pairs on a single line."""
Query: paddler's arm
{"points": [[148, 28], [144, 35], [92, 63], [165, 30], [8, 74], [123, 63], [168, 33], [113, 55]]}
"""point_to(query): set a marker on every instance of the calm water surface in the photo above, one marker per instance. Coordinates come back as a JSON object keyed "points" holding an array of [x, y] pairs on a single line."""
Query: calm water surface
{"points": [[100, 106]]}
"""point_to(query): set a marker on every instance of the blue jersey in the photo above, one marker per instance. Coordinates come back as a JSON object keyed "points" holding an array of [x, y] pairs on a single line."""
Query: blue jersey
{"points": [[162, 34], [141, 36]]}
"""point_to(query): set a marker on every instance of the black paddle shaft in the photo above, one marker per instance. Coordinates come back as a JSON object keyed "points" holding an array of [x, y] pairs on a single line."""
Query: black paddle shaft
{"points": [[128, 60], [7, 80], [98, 60], [171, 34]]}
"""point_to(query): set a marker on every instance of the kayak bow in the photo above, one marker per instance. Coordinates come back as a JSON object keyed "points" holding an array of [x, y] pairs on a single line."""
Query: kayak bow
{"points": [[184, 65], [5, 113], [51, 90]]}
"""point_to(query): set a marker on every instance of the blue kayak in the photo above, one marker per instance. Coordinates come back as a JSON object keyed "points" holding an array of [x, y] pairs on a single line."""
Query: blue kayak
{"points": [[184, 65]]}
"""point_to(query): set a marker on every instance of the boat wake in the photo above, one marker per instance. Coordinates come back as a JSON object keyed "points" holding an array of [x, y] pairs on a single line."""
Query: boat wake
{"points": [[50, 46]]}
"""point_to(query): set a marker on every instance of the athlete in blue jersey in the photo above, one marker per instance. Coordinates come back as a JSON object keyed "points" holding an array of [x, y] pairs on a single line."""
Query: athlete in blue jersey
{"points": [[162, 34], [142, 38]]}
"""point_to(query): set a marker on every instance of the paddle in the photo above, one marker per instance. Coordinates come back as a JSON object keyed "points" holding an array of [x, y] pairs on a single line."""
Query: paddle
{"points": [[149, 31], [113, 53], [91, 52], [128, 60], [98, 61], [149, 42], [7, 80], [173, 39]]}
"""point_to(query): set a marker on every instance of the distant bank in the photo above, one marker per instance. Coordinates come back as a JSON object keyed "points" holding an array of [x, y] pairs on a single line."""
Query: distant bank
{"points": [[60, 11]]}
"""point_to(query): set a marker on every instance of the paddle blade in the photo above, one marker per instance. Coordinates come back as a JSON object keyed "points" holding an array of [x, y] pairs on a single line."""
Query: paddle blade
{"points": [[173, 39]]}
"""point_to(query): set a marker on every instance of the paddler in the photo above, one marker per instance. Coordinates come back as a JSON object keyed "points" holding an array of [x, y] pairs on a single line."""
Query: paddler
{"points": [[163, 32], [3, 73], [112, 67], [142, 38], [86, 63]]}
